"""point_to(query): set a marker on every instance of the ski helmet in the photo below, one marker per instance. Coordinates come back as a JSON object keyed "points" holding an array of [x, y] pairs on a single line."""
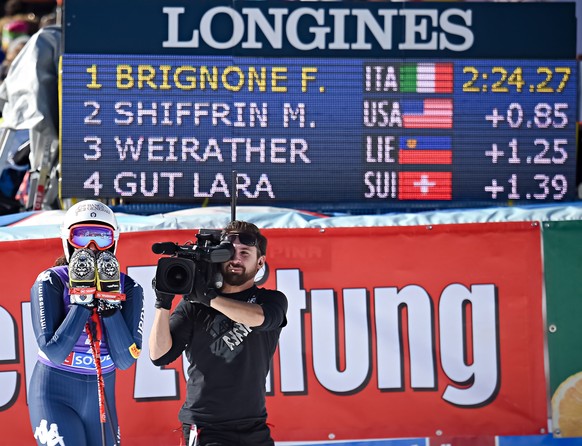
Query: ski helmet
{"points": [[88, 211]]}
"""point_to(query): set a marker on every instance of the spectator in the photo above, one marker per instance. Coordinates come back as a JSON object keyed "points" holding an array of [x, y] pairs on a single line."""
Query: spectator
{"points": [[13, 49], [14, 29]]}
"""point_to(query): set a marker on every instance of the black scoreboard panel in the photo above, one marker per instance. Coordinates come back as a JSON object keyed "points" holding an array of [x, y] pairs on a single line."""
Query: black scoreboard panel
{"points": [[344, 132]]}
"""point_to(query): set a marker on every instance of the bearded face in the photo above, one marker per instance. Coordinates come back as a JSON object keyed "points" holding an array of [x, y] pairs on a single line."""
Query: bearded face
{"points": [[236, 275], [242, 268]]}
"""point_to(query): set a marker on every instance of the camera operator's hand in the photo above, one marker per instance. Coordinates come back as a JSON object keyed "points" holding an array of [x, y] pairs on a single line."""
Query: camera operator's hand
{"points": [[204, 290], [163, 300]]}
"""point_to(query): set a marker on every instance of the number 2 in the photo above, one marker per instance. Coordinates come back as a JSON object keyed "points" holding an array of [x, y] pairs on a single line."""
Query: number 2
{"points": [[92, 117]]}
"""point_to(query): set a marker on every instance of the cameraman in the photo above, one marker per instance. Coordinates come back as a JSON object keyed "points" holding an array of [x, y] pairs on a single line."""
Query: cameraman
{"points": [[230, 335]]}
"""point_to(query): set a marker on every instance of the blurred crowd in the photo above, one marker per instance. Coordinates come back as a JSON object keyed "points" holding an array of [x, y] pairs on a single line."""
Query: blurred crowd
{"points": [[20, 19], [20, 22]]}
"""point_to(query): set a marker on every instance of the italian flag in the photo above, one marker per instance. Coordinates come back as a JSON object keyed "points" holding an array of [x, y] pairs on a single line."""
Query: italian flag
{"points": [[426, 78]]}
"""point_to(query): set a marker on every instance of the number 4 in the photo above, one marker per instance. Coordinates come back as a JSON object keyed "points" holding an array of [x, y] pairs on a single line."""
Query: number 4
{"points": [[93, 183]]}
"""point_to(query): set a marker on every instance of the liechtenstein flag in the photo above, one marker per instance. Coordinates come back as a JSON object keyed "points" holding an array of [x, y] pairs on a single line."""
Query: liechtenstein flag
{"points": [[427, 114], [425, 150]]}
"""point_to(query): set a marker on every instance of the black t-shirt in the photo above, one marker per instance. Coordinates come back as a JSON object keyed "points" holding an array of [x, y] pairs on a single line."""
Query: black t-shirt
{"points": [[229, 361]]}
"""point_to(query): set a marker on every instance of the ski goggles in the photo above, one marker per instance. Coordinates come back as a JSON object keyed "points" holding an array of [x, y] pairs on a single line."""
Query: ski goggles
{"points": [[81, 235], [243, 238]]}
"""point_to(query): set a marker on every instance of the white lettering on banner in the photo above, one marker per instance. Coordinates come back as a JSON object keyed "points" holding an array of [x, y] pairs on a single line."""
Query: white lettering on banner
{"points": [[468, 341], [292, 339], [9, 380], [482, 370], [325, 340], [388, 304], [477, 377], [424, 29]]}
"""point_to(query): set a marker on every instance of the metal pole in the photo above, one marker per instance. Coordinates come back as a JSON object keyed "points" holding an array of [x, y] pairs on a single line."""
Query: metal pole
{"points": [[233, 196]]}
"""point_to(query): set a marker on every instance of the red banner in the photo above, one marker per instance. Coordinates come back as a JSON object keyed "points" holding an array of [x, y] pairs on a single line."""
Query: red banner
{"points": [[392, 332]]}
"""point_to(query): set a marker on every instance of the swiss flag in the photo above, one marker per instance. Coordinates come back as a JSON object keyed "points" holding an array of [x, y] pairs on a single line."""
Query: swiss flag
{"points": [[425, 186]]}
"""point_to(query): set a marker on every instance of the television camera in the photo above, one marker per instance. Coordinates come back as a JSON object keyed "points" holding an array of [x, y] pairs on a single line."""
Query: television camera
{"points": [[176, 274]]}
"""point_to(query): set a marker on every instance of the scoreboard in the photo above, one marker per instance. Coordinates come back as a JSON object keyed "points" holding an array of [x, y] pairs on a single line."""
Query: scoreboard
{"points": [[330, 105]]}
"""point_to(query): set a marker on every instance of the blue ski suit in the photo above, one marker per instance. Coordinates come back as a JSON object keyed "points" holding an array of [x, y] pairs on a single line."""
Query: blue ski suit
{"points": [[63, 396]]}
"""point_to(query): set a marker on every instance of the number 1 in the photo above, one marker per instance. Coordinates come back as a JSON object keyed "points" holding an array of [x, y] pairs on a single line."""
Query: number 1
{"points": [[513, 181], [92, 70]]}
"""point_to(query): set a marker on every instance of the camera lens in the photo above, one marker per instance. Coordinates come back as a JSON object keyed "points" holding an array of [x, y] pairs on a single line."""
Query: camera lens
{"points": [[176, 275]]}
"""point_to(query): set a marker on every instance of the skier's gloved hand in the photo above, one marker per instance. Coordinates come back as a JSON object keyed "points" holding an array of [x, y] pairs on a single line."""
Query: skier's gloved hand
{"points": [[106, 307], [108, 275], [108, 294], [163, 300], [82, 277]]}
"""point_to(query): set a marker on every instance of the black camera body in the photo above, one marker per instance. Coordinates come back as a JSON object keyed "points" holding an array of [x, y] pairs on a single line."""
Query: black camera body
{"points": [[176, 274]]}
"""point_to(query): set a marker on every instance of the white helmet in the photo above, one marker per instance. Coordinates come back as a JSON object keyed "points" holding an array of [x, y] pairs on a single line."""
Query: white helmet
{"points": [[90, 211]]}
